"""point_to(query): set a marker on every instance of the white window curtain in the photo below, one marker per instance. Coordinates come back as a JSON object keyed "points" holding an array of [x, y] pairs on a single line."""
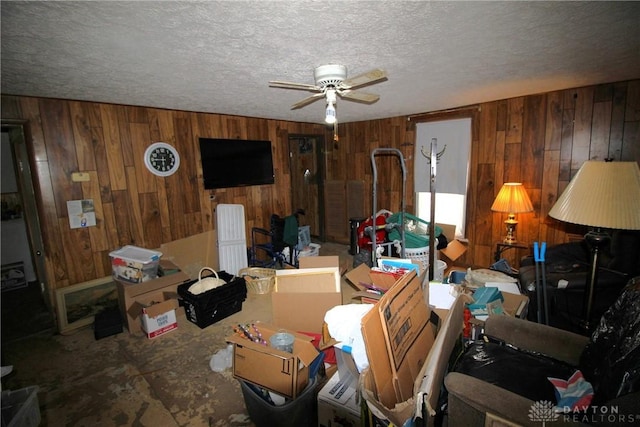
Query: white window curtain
{"points": [[453, 142]]}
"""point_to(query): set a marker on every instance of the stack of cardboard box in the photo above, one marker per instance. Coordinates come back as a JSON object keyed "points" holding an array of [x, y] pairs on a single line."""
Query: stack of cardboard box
{"points": [[149, 307]]}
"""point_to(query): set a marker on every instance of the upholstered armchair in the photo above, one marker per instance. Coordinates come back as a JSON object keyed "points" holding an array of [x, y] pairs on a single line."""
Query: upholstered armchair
{"points": [[499, 382], [567, 267]]}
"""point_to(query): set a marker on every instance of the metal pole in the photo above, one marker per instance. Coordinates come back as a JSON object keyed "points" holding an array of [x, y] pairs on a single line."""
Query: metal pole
{"points": [[432, 226]]}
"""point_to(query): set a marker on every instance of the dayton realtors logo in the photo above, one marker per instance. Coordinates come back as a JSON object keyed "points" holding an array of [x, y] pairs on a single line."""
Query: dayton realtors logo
{"points": [[545, 411]]}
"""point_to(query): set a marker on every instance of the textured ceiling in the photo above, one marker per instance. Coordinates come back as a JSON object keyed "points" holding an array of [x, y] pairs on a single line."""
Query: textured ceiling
{"points": [[218, 56]]}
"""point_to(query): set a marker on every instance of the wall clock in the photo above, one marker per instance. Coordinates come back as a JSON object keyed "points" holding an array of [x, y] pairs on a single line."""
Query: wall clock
{"points": [[162, 159]]}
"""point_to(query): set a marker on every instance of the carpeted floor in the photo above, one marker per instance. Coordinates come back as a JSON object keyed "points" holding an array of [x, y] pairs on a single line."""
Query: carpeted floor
{"points": [[129, 380]]}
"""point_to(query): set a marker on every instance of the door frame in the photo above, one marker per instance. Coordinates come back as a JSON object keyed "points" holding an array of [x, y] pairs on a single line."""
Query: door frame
{"points": [[18, 136]]}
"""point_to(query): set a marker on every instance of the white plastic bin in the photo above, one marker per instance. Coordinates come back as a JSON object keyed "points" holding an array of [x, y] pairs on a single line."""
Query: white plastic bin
{"points": [[312, 250], [134, 265]]}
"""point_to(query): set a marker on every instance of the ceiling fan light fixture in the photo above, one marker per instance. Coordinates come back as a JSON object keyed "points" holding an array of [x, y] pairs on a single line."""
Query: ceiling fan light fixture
{"points": [[330, 82], [330, 114]]}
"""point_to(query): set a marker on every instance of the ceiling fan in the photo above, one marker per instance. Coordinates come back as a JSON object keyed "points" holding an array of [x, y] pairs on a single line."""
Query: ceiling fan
{"points": [[331, 81]]}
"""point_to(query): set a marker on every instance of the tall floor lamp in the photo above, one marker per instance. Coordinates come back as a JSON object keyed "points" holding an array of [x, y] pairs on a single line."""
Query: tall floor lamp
{"points": [[602, 195]]}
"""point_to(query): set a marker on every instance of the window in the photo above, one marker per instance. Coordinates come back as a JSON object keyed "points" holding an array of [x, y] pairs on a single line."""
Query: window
{"points": [[453, 145]]}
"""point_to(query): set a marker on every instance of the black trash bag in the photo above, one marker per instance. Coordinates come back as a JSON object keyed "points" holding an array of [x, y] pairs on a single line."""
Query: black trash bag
{"points": [[522, 372], [611, 360]]}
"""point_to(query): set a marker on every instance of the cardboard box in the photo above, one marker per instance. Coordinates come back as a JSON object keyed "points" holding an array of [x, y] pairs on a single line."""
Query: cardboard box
{"points": [[455, 248], [193, 253], [514, 303], [158, 319], [398, 334], [319, 261], [346, 366], [281, 372], [339, 403], [301, 297], [363, 274], [134, 297], [428, 381]]}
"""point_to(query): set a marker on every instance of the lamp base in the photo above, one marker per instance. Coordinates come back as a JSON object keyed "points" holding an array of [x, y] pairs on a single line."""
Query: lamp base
{"points": [[510, 223]]}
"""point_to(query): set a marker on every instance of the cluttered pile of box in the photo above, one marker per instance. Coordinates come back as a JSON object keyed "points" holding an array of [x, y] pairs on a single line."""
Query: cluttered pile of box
{"points": [[146, 289], [339, 401], [407, 348], [152, 284], [486, 292], [278, 363], [408, 343]]}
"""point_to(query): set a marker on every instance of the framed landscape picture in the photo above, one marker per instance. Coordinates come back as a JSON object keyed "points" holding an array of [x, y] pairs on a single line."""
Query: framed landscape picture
{"points": [[78, 304]]}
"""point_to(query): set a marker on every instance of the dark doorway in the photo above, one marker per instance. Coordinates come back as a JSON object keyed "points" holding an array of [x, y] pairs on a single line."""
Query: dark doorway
{"points": [[26, 307]]}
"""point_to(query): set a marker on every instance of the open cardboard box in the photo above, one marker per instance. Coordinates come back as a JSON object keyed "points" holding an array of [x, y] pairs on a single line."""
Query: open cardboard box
{"points": [[193, 253], [160, 318], [513, 304], [281, 372], [426, 384], [302, 297], [455, 248], [184, 258], [397, 334], [363, 274], [132, 298]]}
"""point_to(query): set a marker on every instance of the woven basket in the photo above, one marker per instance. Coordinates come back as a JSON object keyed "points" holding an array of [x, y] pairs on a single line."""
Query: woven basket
{"points": [[259, 280]]}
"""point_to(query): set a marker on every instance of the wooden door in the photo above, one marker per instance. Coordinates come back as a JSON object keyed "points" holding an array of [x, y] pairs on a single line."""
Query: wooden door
{"points": [[306, 180]]}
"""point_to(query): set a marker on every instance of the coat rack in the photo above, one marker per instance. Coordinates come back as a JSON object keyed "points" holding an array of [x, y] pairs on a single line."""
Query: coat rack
{"points": [[433, 161]]}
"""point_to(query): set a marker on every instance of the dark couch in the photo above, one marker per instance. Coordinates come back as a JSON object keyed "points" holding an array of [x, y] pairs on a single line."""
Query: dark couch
{"points": [[618, 262], [500, 382]]}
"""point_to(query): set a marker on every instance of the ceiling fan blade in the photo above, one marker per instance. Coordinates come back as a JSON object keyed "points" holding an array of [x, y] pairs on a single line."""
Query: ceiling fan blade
{"points": [[365, 97], [308, 100], [289, 85], [364, 79]]}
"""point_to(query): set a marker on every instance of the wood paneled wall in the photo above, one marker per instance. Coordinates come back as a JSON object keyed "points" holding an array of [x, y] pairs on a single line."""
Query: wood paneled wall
{"points": [[134, 207], [540, 140]]}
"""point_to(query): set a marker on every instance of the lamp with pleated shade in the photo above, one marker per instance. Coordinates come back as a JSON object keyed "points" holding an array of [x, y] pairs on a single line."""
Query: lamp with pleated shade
{"points": [[602, 195], [512, 199]]}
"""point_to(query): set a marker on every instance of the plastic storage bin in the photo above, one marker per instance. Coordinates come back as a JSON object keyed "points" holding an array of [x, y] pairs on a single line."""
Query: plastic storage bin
{"points": [[312, 250], [416, 230], [20, 408], [134, 265], [304, 237], [301, 411], [215, 304]]}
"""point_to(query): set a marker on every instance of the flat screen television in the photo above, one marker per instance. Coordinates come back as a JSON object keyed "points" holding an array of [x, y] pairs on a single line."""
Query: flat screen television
{"points": [[236, 162]]}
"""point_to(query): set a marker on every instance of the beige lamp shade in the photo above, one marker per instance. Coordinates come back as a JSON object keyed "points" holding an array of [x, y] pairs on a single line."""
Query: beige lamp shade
{"points": [[512, 198], [602, 194]]}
